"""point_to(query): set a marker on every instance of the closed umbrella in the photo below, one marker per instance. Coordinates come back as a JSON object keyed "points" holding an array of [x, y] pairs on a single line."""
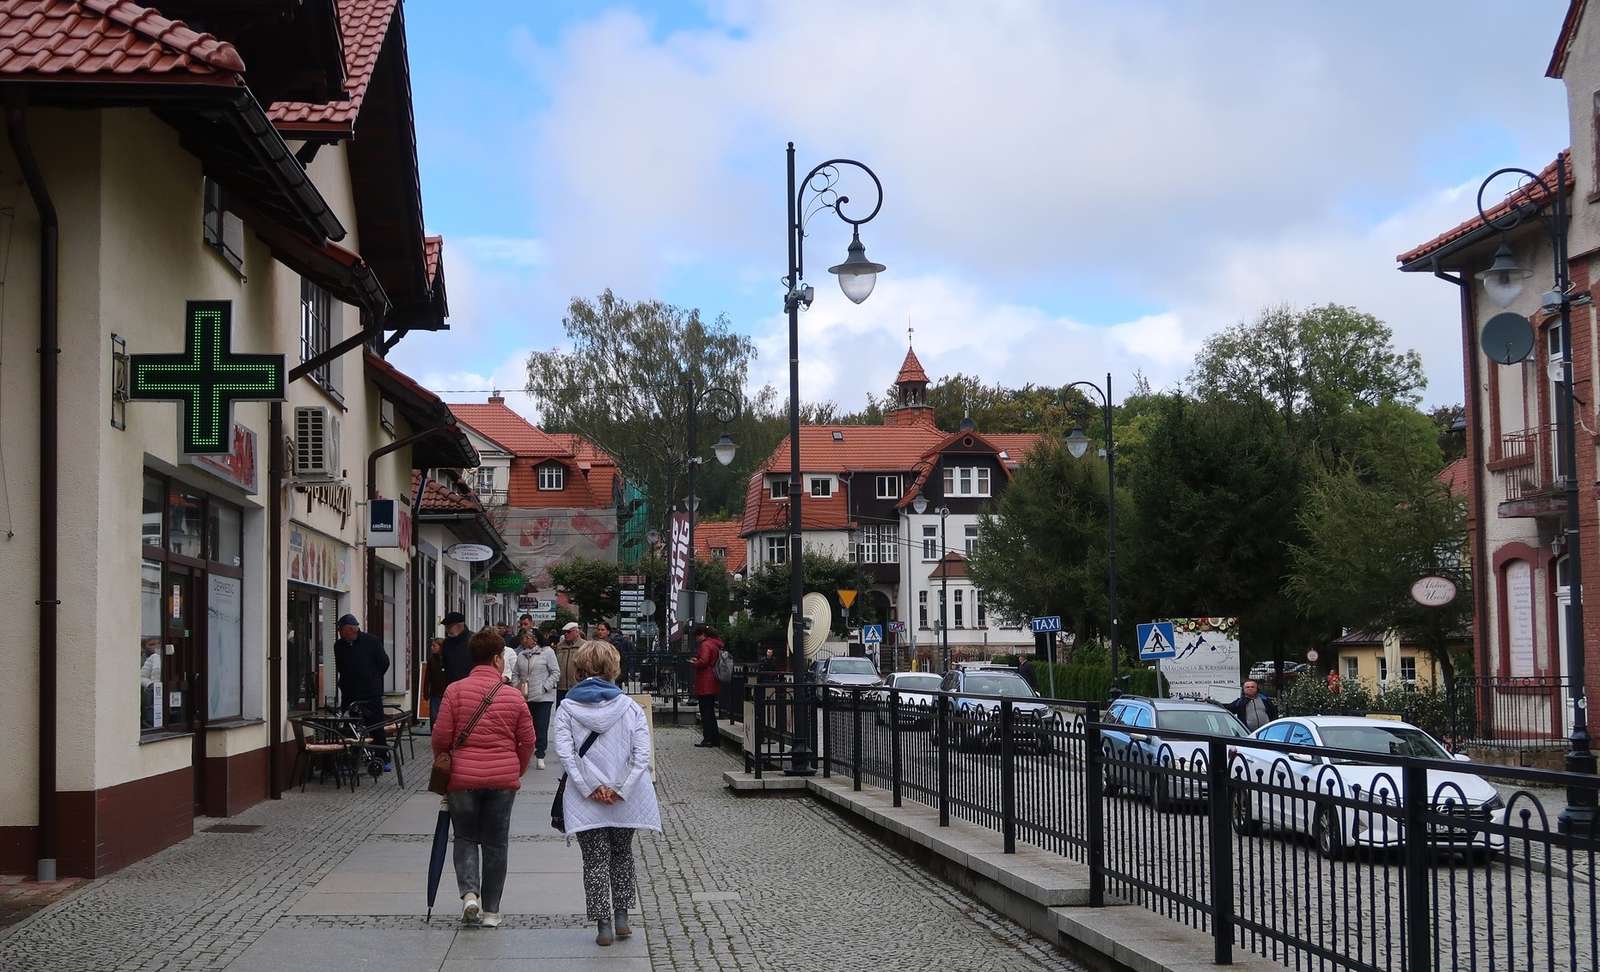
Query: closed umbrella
{"points": [[441, 845]]}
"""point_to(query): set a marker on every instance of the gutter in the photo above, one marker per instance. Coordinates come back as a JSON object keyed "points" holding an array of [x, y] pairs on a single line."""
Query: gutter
{"points": [[49, 602]]}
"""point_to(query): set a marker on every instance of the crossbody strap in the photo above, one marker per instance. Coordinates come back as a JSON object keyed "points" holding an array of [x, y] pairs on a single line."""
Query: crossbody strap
{"points": [[483, 707]]}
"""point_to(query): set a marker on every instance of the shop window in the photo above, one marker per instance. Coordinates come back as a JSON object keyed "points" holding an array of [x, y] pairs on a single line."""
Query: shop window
{"points": [[152, 659], [224, 656], [185, 522], [223, 535], [155, 509]]}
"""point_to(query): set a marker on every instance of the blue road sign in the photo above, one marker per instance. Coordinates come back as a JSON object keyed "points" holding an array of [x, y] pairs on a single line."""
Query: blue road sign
{"points": [[1155, 641], [1046, 624], [872, 634]]}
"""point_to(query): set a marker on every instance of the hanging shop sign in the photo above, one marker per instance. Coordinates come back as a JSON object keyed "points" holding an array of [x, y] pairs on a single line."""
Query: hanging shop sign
{"points": [[1433, 591], [383, 523], [470, 553], [206, 378], [507, 583]]}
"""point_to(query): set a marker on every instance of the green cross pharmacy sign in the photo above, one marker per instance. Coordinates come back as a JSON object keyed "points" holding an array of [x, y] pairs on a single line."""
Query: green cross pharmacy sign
{"points": [[207, 377]]}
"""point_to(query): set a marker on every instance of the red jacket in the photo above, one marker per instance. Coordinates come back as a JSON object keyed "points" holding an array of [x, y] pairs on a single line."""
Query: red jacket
{"points": [[705, 666], [497, 750]]}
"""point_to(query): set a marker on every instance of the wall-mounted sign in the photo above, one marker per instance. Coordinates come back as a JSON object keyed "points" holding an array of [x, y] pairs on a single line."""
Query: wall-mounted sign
{"points": [[207, 378], [1433, 591], [318, 559], [470, 553], [383, 523], [237, 465]]}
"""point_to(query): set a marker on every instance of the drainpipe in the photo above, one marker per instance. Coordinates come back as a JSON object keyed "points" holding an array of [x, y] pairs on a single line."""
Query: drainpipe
{"points": [[274, 598], [49, 467]]}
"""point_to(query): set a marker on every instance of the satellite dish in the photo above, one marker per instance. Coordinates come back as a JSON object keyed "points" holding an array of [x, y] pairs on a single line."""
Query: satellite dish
{"points": [[819, 621], [1507, 338]]}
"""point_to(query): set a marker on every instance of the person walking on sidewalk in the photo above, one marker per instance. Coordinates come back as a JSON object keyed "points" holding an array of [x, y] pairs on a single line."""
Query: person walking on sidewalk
{"points": [[537, 673], [457, 654], [359, 664], [485, 773], [610, 792], [566, 651], [705, 683]]}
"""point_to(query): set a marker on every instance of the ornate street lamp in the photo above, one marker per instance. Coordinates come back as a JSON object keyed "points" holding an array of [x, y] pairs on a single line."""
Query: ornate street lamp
{"points": [[857, 276], [724, 405], [1077, 444]]}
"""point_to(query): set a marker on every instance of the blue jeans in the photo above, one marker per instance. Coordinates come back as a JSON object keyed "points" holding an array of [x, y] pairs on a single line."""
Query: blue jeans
{"points": [[482, 822]]}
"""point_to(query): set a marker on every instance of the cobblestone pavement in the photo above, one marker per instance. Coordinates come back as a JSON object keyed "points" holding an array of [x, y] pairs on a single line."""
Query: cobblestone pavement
{"points": [[730, 884], [20, 898], [766, 883]]}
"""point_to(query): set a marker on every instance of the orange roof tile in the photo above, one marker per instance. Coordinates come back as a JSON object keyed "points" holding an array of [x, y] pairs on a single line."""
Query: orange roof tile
{"points": [[1539, 192], [1455, 477], [433, 247], [363, 24], [952, 564], [722, 534], [910, 369], [439, 498], [63, 39], [1569, 30], [502, 424]]}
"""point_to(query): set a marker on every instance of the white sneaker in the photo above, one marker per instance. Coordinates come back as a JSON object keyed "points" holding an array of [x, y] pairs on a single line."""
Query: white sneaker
{"points": [[491, 919], [541, 764], [471, 910]]}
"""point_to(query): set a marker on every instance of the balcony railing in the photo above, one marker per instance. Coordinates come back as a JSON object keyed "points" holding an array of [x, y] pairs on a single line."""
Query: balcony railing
{"points": [[1525, 463]]}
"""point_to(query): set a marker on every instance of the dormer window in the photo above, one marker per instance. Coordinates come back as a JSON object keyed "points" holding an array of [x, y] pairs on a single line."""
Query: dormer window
{"points": [[719, 553], [777, 488], [552, 477], [966, 480]]}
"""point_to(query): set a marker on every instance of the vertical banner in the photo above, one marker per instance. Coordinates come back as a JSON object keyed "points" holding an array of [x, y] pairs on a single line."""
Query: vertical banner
{"points": [[678, 563]]}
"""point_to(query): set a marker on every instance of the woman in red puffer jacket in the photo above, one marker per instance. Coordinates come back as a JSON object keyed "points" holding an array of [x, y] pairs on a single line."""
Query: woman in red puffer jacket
{"points": [[485, 773]]}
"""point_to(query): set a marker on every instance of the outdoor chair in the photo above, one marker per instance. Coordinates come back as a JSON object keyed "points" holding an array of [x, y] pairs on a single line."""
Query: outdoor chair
{"points": [[325, 743]]}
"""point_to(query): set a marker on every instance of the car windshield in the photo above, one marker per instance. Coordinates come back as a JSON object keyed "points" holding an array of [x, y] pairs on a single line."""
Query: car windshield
{"points": [[851, 666], [1384, 740], [917, 683], [1214, 723], [998, 685]]}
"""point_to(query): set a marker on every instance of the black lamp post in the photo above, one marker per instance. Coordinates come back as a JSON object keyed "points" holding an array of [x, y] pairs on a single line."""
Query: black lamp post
{"points": [[1502, 282], [1077, 444], [724, 405], [857, 276]]}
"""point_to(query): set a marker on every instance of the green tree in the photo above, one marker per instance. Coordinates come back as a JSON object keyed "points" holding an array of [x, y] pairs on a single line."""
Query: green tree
{"points": [[591, 585], [1367, 541], [625, 380], [764, 595]]}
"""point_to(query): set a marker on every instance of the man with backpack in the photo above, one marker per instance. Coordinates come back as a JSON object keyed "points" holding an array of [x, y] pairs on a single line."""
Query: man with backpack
{"points": [[709, 663]]}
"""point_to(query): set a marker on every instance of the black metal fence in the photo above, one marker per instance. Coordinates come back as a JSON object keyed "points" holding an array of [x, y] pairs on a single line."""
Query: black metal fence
{"points": [[1314, 857]]}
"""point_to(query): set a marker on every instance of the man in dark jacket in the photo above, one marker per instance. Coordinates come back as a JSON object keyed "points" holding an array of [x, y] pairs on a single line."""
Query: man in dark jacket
{"points": [[359, 664], [457, 656], [1254, 708], [705, 683]]}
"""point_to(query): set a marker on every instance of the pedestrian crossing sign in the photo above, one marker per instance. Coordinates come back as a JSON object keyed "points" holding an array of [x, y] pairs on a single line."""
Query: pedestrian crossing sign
{"points": [[1156, 641]]}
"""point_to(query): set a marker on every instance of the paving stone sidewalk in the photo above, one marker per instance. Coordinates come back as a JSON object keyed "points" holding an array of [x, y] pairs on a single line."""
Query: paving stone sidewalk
{"points": [[333, 880]]}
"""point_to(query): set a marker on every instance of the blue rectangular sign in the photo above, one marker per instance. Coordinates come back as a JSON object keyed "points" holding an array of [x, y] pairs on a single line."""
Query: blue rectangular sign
{"points": [[1155, 641], [1046, 624], [872, 634]]}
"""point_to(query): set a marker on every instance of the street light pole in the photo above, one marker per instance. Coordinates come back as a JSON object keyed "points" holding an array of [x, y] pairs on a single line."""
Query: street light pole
{"points": [[944, 591], [857, 276], [1077, 444], [725, 407], [1503, 282]]}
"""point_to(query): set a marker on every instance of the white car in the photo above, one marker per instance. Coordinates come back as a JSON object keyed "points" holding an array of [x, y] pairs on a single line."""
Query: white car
{"points": [[1376, 789], [915, 697]]}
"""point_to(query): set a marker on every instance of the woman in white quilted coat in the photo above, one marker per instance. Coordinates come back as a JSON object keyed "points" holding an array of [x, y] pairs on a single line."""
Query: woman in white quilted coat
{"points": [[610, 792]]}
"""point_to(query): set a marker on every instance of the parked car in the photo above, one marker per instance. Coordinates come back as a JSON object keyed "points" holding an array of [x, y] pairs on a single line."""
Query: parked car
{"points": [[843, 671], [914, 698], [1141, 744], [975, 722], [1261, 671], [1337, 827]]}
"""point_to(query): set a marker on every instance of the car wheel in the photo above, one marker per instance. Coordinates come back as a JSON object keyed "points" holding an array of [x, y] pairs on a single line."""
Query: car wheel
{"points": [[1244, 818], [1330, 842]]}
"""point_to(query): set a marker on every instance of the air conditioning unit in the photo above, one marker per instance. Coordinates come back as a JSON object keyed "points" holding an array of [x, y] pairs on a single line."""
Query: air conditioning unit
{"points": [[316, 444]]}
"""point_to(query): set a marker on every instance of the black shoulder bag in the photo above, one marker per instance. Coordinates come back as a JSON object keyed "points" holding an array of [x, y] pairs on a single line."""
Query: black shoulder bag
{"points": [[558, 811]]}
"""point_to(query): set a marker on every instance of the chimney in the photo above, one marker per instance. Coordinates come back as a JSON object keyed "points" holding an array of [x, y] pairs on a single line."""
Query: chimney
{"points": [[495, 398]]}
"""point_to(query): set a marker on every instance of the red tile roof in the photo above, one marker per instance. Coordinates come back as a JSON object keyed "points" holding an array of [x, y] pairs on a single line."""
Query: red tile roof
{"points": [[433, 247], [439, 498], [500, 423], [1015, 445], [1569, 30], [724, 534], [1539, 192], [108, 38], [363, 24], [952, 564], [1455, 477], [910, 369]]}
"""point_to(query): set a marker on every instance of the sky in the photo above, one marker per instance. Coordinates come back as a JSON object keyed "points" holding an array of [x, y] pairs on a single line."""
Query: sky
{"points": [[1070, 188]]}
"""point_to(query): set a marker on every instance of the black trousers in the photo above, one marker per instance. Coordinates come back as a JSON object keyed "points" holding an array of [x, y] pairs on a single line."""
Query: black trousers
{"points": [[372, 711], [708, 720]]}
